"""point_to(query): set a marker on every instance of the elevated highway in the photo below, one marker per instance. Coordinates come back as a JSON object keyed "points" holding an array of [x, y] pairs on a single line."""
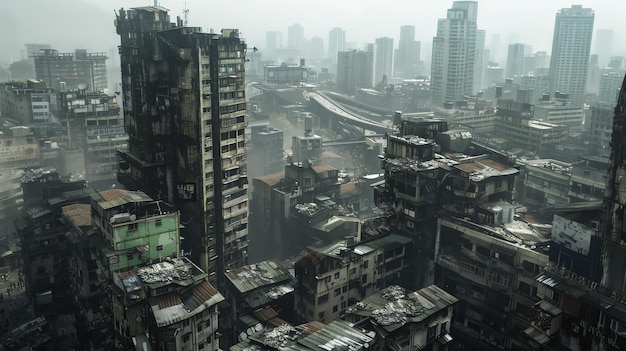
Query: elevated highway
{"points": [[325, 107]]}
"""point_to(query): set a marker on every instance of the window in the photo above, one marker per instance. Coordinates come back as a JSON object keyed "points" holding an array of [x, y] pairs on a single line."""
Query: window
{"points": [[337, 275], [432, 332], [158, 222], [365, 264], [129, 257], [186, 337], [444, 328], [199, 328], [132, 227], [159, 248], [321, 315], [322, 299], [335, 308], [337, 291]]}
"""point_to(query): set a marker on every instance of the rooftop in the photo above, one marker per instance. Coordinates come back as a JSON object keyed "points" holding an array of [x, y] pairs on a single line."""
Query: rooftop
{"points": [[180, 271], [262, 274], [395, 306], [338, 335], [116, 197], [174, 307], [78, 214]]}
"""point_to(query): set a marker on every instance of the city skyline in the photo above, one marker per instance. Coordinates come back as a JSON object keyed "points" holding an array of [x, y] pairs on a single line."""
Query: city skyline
{"points": [[363, 22]]}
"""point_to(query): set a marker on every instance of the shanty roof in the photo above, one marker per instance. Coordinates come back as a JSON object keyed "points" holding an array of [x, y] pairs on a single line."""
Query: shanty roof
{"points": [[116, 197], [262, 274], [316, 336], [271, 179], [323, 168], [395, 306], [174, 307], [178, 271], [78, 214], [485, 168]]}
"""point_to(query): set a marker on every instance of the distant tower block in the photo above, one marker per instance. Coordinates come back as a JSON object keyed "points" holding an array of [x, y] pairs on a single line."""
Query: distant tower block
{"points": [[308, 125]]}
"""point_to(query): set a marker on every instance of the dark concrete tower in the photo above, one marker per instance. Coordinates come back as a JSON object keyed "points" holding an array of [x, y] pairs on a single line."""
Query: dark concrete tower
{"points": [[614, 208], [184, 112]]}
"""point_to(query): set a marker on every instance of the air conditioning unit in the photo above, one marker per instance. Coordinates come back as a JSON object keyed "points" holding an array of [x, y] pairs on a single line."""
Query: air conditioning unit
{"points": [[595, 225]]}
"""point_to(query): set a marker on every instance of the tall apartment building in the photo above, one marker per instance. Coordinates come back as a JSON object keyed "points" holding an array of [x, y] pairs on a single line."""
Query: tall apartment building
{"points": [[96, 126], [571, 47], [407, 58], [454, 50], [383, 60], [601, 128], [610, 84], [515, 61], [614, 223], [336, 43], [78, 70], [184, 113], [480, 58], [355, 70], [273, 40], [28, 101], [295, 37]]}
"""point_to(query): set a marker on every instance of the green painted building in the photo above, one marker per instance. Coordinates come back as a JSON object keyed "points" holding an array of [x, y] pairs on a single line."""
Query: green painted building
{"points": [[136, 229]]}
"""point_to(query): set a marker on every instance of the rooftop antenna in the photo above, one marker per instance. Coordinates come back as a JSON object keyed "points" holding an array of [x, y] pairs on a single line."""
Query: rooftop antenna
{"points": [[186, 14]]}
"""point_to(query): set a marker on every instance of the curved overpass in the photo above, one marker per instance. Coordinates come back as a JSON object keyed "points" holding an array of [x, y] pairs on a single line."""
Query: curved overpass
{"points": [[339, 113]]}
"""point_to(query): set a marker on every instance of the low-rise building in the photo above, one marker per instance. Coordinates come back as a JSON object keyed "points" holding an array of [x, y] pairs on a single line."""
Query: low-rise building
{"points": [[335, 276], [255, 287], [405, 320], [490, 266], [168, 305]]}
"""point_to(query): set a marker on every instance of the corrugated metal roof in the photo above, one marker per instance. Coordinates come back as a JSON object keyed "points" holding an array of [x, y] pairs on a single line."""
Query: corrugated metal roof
{"points": [[78, 214], [172, 308], [323, 168], [394, 306], [271, 179], [254, 276]]}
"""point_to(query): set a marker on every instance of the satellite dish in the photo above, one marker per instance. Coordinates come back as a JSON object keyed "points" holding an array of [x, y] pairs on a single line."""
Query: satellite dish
{"points": [[82, 86]]}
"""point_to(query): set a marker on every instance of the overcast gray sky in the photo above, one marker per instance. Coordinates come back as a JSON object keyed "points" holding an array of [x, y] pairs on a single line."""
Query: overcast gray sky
{"points": [[68, 24]]}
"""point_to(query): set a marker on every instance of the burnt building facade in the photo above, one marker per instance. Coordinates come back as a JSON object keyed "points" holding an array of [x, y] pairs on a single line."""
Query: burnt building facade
{"points": [[184, 113]]}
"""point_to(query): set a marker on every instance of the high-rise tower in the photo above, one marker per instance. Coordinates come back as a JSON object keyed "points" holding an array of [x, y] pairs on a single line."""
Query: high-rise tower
{"points": [[383, 59], [184, 112], [408, 54], [515, 61], [336, 43], [571, 45], [614, 208], [454, 49]]}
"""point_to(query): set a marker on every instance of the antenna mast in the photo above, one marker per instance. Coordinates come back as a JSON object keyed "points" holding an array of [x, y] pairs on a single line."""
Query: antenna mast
{"points": [[186, 14]]}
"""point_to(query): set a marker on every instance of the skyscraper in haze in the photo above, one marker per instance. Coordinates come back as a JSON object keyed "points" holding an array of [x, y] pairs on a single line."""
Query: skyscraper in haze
{"points": [[185, 114], [571, 46], [273, 40], [454, 50], [515, 61], [408, 54], [354, 70], [480, 63], [295, 37], [383, 59], [603, 46], [336, 43]]}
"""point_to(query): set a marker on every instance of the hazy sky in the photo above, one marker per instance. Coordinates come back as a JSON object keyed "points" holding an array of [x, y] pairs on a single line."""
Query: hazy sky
{"points": [[69, 24]]}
